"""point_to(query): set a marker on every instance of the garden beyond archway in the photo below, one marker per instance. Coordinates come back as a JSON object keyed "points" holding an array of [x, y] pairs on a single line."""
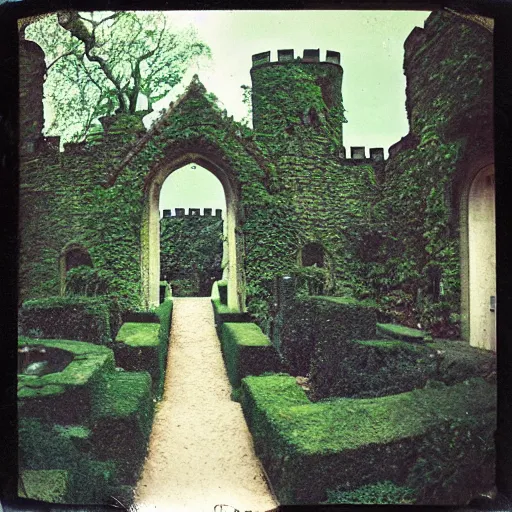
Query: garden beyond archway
{"points": [[150, 233]]}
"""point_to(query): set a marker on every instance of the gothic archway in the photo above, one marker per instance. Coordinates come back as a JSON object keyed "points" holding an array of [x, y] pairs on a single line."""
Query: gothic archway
{"points": [[150, 233]]}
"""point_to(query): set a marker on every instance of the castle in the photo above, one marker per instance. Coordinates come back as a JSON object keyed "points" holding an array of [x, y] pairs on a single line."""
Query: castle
{"points": [[415, 232]]}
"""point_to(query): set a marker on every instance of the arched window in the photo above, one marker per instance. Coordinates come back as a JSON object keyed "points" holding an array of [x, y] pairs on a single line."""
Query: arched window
{"points": [[312, 254], [72, 256], [76, 258]]}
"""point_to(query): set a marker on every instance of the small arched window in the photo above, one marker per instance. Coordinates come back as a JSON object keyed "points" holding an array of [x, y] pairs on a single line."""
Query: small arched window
{"points": [[76, 258], [313, 254], [72, 256]]}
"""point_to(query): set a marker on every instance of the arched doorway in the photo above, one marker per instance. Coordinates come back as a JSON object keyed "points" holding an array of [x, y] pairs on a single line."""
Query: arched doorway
{"points": [[150, 232], [192, 234], [481, 240]]}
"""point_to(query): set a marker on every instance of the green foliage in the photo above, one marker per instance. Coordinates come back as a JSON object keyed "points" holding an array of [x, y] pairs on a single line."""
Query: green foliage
{"points": [[399, 332], [381, 493], [44, 448], [143, 346], [374, 368], [110, 61], [315, 332], [223, 313], [246, 351], [191, 250], [456, 461]]}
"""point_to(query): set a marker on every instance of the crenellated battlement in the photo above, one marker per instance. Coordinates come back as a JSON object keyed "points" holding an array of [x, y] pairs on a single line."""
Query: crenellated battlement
{"points": [[192, 212], [286, 56], [358, 153]]}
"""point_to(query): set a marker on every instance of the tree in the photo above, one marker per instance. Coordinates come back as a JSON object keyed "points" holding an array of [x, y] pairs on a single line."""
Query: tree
{"points": [[110, 62]]}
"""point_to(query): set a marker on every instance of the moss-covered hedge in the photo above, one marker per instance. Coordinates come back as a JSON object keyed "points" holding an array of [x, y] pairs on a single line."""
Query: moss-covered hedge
{"points": [[247, 351], [122, 416], [333, 319], [346, 443], [71, 318]]}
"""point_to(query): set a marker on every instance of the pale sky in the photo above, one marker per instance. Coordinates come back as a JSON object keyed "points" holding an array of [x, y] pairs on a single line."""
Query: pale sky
{"points": [[371, 47]]}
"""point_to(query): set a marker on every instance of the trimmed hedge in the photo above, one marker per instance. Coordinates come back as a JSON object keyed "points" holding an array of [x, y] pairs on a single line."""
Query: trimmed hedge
{"points": [[222, 286], [122, 416], [143, 346], [70, 318], [222, 313], [331, 319], [247, 351], [346, 443], [44, 448], [372, 368], [64, 396]]}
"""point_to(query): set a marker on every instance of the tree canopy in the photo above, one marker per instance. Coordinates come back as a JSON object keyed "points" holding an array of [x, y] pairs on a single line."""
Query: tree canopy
{"points": [[100, 63]]}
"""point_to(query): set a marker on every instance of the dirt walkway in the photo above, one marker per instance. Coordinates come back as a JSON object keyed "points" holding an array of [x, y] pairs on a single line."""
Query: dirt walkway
{"points": [[200, 452]]}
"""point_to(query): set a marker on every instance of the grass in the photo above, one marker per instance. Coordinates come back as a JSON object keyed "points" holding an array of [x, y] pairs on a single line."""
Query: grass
{"points": [[400, 332], [138, 334]]}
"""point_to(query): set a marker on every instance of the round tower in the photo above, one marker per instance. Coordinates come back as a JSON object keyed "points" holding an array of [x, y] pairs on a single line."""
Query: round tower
{"points": [[294, 91], [32, 70]]}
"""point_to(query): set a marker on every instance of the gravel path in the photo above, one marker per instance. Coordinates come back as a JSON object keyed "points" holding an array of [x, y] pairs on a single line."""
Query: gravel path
{"points": [[200, 451]]}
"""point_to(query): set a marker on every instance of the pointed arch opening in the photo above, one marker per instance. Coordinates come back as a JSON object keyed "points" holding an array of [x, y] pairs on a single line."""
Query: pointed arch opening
{"points": [[193, 241], [150, 233]]}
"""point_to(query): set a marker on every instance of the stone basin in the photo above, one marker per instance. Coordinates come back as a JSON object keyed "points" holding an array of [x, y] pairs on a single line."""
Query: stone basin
{"points": [[41, 360]]}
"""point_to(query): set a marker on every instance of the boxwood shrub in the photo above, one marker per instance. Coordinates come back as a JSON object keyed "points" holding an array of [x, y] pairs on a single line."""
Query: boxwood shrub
{"points": [[50, 454], [223, 291], [371, 368], [347, 444], [72, 318], [247, 351]]}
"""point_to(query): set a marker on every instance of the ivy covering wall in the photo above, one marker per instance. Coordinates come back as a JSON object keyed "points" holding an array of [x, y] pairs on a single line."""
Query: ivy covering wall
{"points": [[414, 240], [191, 254], [390, 235]]}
